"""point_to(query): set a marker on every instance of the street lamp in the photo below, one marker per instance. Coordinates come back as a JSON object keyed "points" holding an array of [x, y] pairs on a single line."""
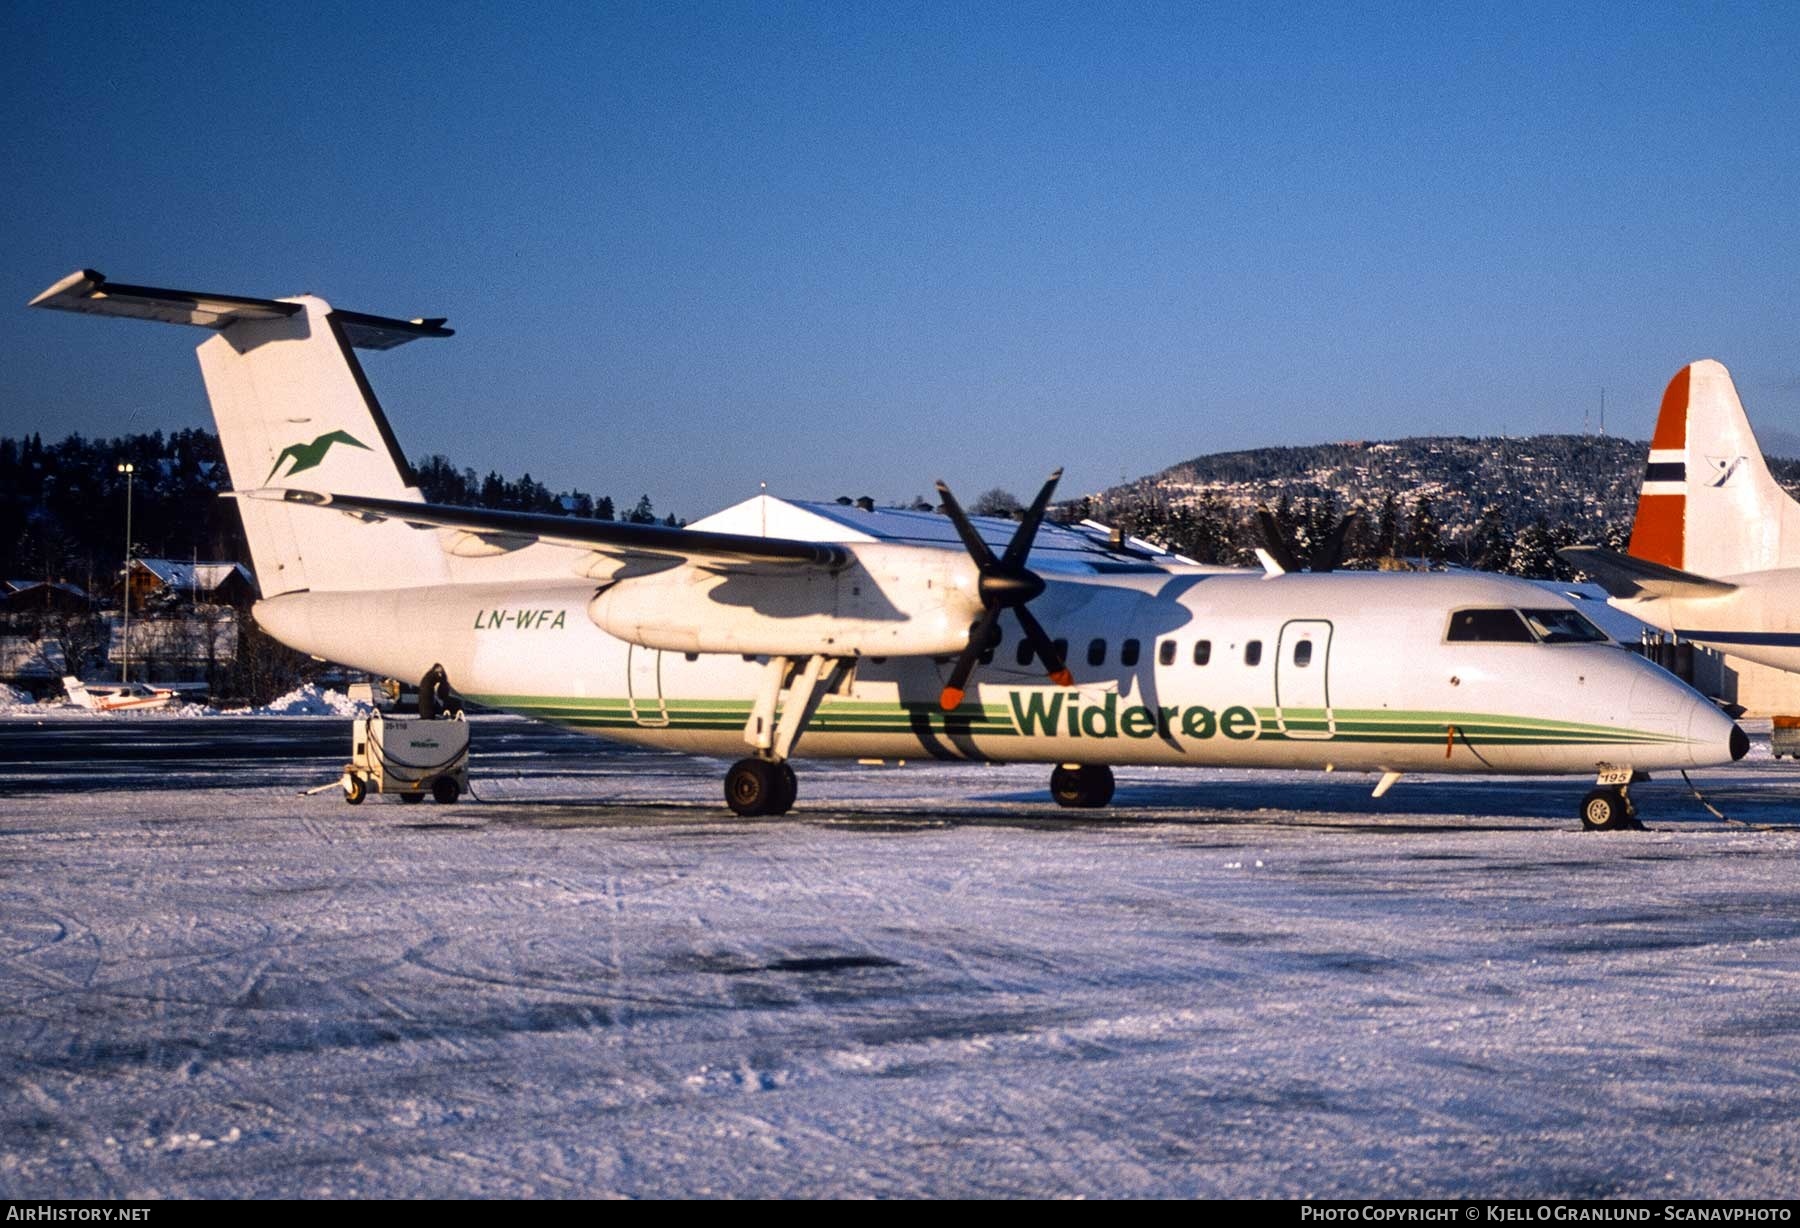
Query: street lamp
{"points": [[125, 660]]}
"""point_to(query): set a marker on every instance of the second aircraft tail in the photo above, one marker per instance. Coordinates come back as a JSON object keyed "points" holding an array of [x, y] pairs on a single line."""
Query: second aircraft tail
{"points": [[1709, 504]]}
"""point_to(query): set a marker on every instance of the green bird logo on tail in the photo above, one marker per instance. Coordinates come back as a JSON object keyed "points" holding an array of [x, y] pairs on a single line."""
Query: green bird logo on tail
{"points": [[308, 455]]}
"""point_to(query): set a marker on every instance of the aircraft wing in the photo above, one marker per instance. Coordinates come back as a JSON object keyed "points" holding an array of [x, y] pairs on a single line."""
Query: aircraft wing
{"points": [[1622, 575], [643, 547]]}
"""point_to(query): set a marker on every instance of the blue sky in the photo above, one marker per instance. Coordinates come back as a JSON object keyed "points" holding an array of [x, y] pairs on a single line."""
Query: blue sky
{"points": [[848, 249]]}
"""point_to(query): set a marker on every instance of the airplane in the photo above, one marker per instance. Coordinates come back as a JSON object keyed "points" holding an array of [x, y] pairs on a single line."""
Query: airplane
{"points": [[119, 697], [864, 630], [1714, 555]]}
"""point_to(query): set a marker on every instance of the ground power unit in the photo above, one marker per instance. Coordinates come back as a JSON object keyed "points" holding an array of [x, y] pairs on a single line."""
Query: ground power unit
{"points": [[408, 755]]}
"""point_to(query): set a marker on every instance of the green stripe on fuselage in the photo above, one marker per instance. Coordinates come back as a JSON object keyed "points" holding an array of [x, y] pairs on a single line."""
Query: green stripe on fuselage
{"points": [[1042, 713]]}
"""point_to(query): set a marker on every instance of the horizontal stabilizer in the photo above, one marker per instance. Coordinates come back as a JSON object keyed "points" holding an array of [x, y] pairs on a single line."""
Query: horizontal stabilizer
{"points": [[90, 293], [609, 537], [1622, 575]]}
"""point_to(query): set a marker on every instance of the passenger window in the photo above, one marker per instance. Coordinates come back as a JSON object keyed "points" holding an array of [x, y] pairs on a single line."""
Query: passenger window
{"points": [[1488, 627], [993, 642], [1097, 652], [1128, 653], [1303, 653], [1165, 655], [1202, 651], [1253, 653]]}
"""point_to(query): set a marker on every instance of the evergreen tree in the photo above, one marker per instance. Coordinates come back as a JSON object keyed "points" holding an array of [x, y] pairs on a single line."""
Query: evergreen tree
{"points": [[1424, 539], [1533, 552], [1387, 528], [1491, 547]]}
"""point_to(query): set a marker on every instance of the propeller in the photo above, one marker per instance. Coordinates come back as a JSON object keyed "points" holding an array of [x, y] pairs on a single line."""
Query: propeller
{"points": [[1005, 584], [1327, 555]]}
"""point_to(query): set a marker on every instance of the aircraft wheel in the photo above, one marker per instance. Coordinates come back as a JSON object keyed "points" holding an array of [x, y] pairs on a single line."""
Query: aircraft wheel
{"points": [[790, 789], [412, 798], [1089, 787], [755, 787], [354, 790], [444, 790], [1606, 810]]}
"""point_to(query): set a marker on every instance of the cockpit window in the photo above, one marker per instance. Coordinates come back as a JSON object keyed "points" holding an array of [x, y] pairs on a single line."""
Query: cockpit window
{"points": [[1563, 627], [1488, 626]]}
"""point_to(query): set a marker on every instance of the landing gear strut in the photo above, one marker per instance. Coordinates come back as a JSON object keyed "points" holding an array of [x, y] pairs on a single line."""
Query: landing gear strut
{"points": [[1609, 809], [1085, 787], [764, 783]]}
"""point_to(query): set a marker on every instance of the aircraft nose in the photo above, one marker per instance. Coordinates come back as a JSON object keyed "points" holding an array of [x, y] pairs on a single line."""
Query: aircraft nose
{"points": [[1714, 737]]}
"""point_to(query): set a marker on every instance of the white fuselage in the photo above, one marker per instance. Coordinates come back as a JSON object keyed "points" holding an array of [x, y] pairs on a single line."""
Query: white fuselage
{"points": [[1378, 686], [1758, 620]]}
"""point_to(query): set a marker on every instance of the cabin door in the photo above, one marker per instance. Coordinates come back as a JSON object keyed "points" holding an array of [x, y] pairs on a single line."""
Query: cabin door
{"points": [[643, 680], [1302, 687]]}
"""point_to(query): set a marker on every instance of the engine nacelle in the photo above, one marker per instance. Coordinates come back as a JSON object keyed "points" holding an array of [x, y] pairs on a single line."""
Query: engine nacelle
{"points": [[892, 601]]}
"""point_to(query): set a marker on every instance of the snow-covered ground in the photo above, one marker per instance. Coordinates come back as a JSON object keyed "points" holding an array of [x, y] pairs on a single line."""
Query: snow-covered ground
{"points": [[925, 981]]}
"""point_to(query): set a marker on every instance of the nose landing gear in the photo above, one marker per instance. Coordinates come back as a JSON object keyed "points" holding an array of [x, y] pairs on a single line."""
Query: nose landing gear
{"points": [[1609, 809]]}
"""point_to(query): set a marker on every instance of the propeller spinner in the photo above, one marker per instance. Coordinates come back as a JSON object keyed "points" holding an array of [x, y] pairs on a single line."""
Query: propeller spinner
{"points": [[1005, 584]]}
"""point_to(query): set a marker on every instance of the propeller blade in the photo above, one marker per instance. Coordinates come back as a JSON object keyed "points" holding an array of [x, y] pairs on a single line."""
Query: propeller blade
{"points": [[984, 557], [1020, 547], [965, 664], [1329, 555], [1045, 647], [1269, 532]]}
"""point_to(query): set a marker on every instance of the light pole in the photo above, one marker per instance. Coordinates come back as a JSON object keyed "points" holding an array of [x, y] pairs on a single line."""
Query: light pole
{"points": [[125, 660]]}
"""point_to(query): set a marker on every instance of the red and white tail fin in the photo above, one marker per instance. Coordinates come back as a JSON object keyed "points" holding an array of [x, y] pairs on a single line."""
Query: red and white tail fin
{"points": [[1709, 504]]}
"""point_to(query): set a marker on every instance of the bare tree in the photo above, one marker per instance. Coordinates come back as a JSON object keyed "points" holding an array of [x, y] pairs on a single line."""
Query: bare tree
{"points": [[81, 636], [996, 502]]}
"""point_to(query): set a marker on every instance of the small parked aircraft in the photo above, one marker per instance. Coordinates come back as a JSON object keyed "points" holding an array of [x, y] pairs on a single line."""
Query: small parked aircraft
{"points": [[1715, 550], [863, 629], [119, 696]]}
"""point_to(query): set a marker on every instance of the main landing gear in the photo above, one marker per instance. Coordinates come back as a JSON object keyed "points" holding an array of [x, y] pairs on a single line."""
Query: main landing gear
{"points": [[1082, 787], [764, 783], [760, 786]]}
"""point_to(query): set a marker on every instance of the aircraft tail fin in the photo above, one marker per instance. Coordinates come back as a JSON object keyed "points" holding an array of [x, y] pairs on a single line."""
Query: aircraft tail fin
{"points": [[1709, 505], [78, 692], [293, 409]]}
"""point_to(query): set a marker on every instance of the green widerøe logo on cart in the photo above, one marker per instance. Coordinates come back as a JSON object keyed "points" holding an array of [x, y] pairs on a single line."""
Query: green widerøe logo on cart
{"points": [[308, 455]]}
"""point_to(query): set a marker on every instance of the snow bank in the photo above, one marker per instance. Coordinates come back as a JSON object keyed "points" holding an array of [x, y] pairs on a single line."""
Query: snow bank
{"points": [[308, 700], [12, 699]]}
